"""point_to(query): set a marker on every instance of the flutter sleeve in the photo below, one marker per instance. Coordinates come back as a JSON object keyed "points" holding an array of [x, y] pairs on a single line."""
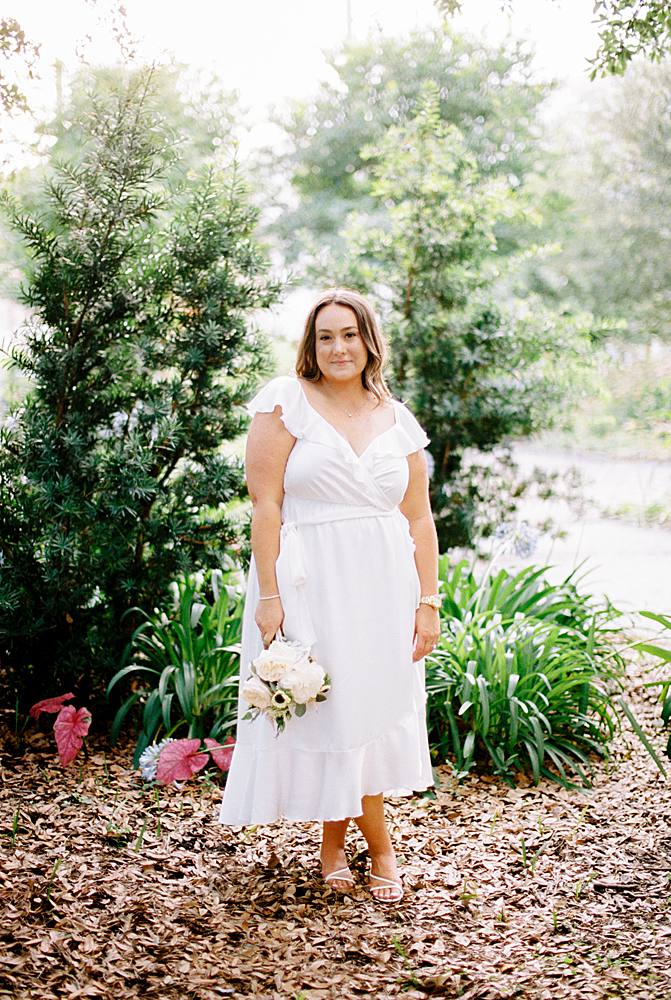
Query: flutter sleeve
{"points": [[411, 434], [283, 391]]}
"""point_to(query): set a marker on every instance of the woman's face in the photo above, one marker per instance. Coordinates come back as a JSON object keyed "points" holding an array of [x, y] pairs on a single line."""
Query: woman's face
{"points": [[339, 347]]}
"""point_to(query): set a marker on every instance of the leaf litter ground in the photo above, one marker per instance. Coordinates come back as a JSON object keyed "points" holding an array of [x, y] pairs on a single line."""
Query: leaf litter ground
{"points": [[110, 888]]}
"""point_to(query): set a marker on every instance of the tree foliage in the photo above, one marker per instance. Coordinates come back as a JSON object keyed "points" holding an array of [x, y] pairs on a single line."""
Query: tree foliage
{"points": [[476, 372], [198, 111], [140, 352], [376, 85], [613, 176], [627, 28], [14, 45]]}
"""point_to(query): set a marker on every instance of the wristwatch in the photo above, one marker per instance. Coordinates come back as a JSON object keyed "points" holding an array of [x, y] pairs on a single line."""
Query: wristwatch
{"points": [[433, 600]]}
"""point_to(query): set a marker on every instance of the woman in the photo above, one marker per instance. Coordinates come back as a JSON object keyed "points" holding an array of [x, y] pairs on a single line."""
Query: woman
{"points": [[345, 559]]}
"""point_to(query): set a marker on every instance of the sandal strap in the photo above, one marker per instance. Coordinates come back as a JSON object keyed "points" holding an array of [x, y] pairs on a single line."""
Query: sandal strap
{"points": [[343, 874], [387, 881]]}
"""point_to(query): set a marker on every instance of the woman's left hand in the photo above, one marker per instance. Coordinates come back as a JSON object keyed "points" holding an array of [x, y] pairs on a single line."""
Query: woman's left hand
{"points": [[427, 631]]}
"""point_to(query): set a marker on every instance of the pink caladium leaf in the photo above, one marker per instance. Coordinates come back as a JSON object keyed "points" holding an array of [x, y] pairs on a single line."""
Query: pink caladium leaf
{"points": [[222, 754], [180, 760], [49, 705], [71, 725]]}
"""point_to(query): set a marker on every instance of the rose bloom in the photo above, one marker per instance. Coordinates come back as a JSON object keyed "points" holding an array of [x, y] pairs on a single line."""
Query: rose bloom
{"points": [[304, 681], [256, 693], [273, 663]]}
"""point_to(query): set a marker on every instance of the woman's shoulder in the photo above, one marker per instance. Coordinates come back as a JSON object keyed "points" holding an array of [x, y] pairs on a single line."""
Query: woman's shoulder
{"points": [[279, 388], [283, 391], [413, 435], [403, 409], [287, 382]]}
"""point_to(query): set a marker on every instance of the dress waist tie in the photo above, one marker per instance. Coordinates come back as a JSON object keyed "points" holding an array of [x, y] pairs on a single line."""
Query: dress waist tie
{"points": [[291, 579], [292, 574]]}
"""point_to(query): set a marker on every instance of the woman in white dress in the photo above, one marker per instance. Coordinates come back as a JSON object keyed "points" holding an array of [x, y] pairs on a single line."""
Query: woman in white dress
{"points": [[345, 559]]}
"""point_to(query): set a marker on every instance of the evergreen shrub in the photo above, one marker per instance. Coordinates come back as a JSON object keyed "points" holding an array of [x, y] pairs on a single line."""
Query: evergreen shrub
{"points": [[140, 350]]}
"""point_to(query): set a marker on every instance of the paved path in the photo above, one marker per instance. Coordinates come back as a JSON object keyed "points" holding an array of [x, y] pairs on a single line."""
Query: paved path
{"points": [[628, 562]]}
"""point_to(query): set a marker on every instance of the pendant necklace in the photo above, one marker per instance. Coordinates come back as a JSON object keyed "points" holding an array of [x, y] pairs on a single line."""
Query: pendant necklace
{"points": [[352, 413]]}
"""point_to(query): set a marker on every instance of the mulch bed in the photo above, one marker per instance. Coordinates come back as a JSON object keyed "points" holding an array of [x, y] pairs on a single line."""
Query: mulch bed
{"points": [[110, 888]]}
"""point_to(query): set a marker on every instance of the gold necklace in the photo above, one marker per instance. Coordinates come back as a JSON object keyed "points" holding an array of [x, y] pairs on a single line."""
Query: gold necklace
{"points": [[350, 413]]}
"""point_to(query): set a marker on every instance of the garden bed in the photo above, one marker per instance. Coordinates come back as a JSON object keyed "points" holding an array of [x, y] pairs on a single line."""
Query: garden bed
{"points": [[111, 888]]}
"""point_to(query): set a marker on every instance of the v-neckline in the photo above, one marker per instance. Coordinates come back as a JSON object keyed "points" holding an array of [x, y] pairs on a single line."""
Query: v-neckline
{"points": [[342, 437]]}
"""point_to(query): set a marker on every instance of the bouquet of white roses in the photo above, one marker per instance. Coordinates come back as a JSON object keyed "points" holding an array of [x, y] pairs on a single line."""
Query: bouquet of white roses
{"points": [[284, 679]]}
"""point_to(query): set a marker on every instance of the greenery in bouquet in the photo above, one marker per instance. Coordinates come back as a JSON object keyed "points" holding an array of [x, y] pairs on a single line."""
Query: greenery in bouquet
{"points": [[284, 679]]}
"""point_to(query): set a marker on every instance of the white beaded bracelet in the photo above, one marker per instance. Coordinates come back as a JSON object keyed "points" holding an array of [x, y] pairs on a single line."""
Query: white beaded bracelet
{"points": [[269, 597]]}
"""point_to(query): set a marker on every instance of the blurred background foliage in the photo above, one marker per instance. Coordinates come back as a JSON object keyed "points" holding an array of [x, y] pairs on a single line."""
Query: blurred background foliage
{"points": [[486, 92], [478, 364]]}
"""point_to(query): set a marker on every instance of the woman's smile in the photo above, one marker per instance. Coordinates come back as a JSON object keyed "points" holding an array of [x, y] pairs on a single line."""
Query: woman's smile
{"points": [[338, 342]]}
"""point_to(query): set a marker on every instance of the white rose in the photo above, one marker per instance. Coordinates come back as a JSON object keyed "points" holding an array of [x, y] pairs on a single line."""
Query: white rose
{"points": [[255, 693], [304, 681], [280, 657]]}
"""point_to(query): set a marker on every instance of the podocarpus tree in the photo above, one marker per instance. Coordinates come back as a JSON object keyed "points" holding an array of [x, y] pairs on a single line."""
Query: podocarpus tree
{"points": [[476, 369], [140, 351]]}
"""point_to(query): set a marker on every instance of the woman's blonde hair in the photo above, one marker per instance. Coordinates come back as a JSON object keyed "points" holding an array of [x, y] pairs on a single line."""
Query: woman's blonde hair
{"points": [[369, 330]]}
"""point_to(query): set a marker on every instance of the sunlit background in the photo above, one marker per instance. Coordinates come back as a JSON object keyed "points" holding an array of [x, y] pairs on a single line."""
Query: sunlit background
{"points": [[269, 52]]}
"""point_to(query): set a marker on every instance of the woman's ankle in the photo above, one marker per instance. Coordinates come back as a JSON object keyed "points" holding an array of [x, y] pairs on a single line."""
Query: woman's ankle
{"points": [[332, 853], [383, 859], [384, 848]]}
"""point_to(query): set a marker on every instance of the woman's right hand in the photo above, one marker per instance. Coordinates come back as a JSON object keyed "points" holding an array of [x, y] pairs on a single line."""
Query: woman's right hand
{"points": [[269, 617]]}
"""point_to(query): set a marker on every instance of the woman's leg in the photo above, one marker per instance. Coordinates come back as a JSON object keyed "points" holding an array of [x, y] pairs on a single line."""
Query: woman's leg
{"points": [[333, 852], [374, 828]]}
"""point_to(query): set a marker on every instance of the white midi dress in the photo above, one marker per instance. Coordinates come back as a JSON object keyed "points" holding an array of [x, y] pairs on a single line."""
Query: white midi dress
{"points": [[349, 588]]}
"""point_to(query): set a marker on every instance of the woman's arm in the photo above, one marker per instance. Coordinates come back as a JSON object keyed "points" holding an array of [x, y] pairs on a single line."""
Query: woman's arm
{"points": [[268, 446], [417, 508]]}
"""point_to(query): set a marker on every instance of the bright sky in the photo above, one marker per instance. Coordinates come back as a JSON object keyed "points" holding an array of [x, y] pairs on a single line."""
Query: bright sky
{"points": [[270, 50]]}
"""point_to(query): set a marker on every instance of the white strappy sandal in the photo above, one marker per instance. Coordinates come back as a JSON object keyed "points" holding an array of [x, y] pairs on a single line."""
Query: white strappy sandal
{"points": [[343, 874], [385, 883]]}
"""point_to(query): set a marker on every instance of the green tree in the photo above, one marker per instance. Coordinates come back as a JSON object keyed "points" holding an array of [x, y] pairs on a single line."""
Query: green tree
{"points": [[476, 371], [198, 113], [140, 350], [15, 48], [201, 114], [613, 176], [627, 28], [487, 92]]}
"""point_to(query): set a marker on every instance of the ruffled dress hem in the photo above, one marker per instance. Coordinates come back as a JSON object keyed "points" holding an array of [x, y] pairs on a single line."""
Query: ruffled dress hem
{"points": [[272, 778]]}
